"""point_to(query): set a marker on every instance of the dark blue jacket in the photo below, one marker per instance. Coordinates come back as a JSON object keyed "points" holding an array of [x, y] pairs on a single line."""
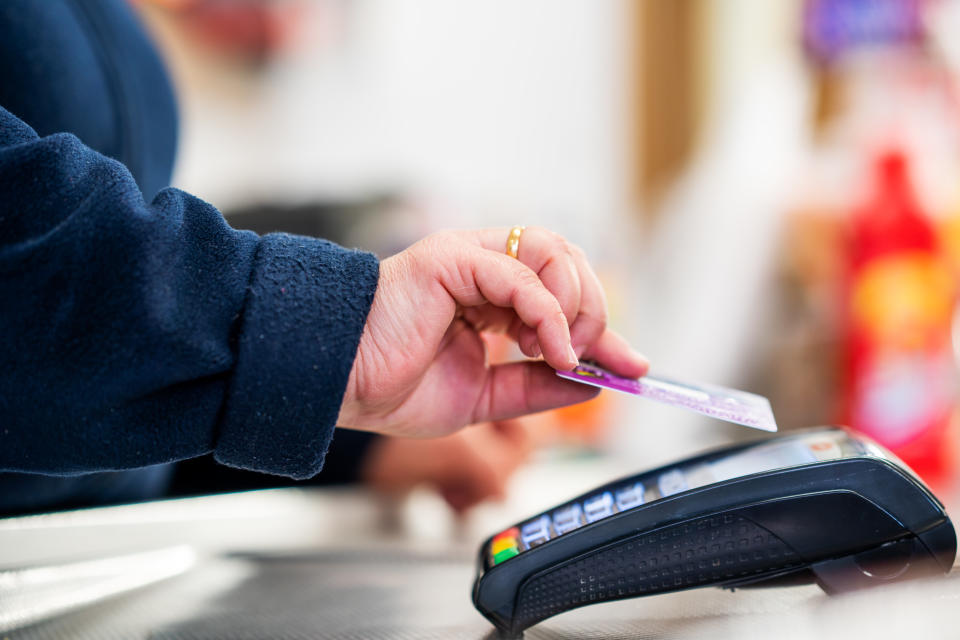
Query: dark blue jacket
{"points": [[138, 331]]}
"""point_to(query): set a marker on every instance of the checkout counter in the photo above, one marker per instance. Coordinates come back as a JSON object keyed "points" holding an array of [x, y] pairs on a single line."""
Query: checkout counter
{"points": [[340, 564]]}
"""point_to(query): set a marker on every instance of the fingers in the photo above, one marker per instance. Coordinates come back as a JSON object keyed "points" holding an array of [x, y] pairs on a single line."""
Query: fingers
{"points": [[516, 435], [548, 299], [499, 447], [551, 258], [549, 255], [565, 272], [479, 276], [519, 388], [480, 461], [591, 321], [487, 317], [612, 352]]}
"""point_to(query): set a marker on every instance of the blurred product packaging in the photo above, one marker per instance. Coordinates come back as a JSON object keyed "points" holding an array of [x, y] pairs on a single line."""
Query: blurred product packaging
{"points": [[872, 238], [899, 382]]}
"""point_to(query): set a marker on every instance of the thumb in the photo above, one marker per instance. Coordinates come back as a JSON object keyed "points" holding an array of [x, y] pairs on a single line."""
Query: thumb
{"points": [[518, 388]]}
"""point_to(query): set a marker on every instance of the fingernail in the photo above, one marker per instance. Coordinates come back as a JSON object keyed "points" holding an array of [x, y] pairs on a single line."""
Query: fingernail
{"points": [[537, 352], [639, 357], [572, 357]]}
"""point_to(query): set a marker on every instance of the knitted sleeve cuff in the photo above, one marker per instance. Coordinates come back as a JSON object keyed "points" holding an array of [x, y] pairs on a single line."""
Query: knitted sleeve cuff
{"points": [[306, 307]]}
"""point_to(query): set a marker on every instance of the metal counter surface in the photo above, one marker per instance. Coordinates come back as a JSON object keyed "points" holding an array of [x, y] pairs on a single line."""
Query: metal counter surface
{"points": [[294, 564]]}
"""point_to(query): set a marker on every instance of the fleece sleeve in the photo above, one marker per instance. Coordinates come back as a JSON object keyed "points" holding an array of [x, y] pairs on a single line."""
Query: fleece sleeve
{"points": [[136, 333]]}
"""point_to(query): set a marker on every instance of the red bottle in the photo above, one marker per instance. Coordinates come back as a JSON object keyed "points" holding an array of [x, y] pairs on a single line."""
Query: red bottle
{"points": [[900, 371]]}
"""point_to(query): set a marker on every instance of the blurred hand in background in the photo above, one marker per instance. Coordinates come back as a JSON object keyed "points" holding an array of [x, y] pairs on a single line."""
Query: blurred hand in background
{"points": [[465, 468]]}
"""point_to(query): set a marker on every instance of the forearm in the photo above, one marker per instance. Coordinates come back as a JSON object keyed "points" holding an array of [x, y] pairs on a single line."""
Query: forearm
{"points": [[133, 334]]}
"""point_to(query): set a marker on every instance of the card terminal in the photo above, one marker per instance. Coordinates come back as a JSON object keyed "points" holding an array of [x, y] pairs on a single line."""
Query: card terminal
{"points": [[821, 505]]}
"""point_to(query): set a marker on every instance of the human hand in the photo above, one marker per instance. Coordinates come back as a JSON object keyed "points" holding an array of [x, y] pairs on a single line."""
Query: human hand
{"points": [[421, 367], [465, 468]]}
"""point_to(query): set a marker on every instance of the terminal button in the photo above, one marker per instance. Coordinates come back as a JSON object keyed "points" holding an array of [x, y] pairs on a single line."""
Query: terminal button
{"points": [[505, 545], [505, 554], [536, 532], [672, 482], [630, 497], [567, 519], [598, 507]]}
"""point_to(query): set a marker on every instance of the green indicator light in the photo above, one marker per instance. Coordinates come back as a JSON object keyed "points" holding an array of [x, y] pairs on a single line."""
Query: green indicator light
{"points": [[506, 554]]}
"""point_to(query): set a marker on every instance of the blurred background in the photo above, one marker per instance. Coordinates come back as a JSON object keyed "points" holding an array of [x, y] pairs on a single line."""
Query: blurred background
{"points": [[768, 190]]}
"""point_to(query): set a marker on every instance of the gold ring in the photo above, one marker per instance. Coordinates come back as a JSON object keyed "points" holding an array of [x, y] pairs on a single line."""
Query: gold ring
{"points": [[513, 241]]}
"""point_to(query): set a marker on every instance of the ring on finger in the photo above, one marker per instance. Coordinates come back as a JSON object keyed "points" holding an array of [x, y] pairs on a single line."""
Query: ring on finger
{"points": [[513, 241]]}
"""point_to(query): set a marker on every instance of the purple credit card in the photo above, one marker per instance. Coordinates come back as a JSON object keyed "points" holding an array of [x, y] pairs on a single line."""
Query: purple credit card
{"points": [[731, 405]]}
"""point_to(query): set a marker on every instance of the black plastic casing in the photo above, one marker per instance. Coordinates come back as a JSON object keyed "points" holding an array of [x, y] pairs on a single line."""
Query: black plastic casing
{"points": [[847, 523]]}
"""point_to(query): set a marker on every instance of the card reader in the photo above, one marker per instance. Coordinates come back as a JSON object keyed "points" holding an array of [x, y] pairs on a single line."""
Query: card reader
{"points": [[822, 505]]}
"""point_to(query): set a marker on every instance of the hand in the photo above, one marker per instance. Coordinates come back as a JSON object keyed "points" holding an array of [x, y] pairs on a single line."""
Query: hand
{"points": [[465, 468], [421, 367]]}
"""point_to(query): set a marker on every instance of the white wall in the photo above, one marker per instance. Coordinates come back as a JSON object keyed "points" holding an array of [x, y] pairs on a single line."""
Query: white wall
{"points": [[514, 110], [702, 291]]}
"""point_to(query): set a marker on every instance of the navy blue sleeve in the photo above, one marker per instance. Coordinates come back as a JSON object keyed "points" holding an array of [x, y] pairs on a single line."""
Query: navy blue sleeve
{"points": [[344, 464], [134, 334]]}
